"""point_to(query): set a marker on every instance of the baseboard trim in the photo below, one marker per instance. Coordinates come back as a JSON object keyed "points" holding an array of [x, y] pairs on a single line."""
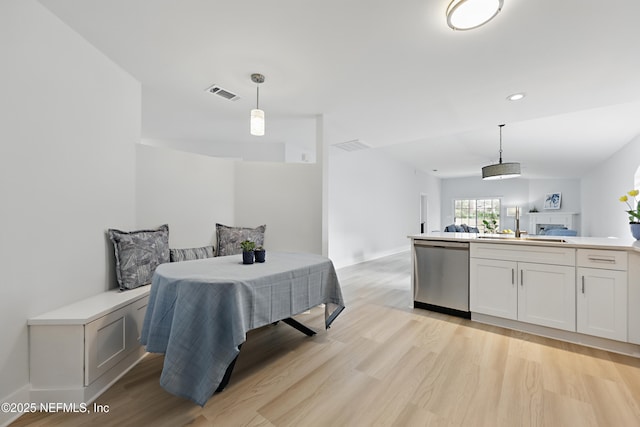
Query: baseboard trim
{"points": [[620, 347], [94, 390], [19, 396], [369, 257]]}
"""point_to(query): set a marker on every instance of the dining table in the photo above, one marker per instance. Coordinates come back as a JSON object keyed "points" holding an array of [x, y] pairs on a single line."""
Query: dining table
{"points": [[200, 311]]}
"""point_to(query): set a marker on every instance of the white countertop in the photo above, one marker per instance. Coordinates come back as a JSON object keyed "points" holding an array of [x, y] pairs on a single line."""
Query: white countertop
{"points": [[628, 244]]}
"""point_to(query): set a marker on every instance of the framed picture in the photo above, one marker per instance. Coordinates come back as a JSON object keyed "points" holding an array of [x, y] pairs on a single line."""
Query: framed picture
{"points": [[552, 200]]}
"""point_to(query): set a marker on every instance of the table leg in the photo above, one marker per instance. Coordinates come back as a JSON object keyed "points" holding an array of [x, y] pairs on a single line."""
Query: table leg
{"points": [[289, 321], [227, 373], [299, 326]]}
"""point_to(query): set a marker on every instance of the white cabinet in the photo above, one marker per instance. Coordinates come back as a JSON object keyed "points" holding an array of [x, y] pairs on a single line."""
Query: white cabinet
{"points": [[76, 351], [541, 293], [633, 298], [547, 295], [602, 293], [492, 288]]}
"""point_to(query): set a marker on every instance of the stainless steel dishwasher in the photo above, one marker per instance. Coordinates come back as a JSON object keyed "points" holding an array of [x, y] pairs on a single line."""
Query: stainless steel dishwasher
{"points": [[441, 277]]}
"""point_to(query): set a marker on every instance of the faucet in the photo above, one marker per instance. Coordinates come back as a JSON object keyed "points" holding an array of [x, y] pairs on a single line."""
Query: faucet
{"points": [[518, 233]]}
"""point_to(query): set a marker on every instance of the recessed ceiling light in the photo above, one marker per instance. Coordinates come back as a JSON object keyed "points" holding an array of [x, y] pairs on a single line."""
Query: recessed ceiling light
{"points": [[516, 96]]}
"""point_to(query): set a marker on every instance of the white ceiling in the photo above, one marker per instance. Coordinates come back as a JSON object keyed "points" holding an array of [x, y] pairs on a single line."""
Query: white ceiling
{"points": [[389, 73]]}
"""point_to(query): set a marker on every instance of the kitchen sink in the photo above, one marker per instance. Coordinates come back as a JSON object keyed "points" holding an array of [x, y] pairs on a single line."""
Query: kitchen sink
{"points": [[530, 238], [545, 239]]}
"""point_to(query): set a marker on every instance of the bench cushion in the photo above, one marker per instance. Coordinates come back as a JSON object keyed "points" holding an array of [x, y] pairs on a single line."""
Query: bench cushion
{"points": [[177, 255]]}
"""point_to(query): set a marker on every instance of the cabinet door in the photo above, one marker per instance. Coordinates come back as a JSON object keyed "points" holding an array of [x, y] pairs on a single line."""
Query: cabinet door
{"points": [[109, 339], [105, 343], [602, 303], [493, 288], [547, 295]]}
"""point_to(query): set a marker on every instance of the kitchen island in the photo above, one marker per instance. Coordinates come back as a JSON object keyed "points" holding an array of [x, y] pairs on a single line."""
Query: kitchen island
{"points": [[584, 290]]}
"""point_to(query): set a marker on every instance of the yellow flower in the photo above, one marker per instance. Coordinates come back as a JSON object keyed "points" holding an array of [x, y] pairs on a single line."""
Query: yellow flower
{"points": [[634, 206]]}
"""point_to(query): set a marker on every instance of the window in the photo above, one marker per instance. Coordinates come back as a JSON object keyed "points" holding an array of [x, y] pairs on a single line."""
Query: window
{"points": [[473, 211]]}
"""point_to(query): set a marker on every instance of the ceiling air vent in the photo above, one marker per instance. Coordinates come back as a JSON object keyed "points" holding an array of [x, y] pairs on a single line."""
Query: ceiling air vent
{"points": [[353, 145], [217, 90]]}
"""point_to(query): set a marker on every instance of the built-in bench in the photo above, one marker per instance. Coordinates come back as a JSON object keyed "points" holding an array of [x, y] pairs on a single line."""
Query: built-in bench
{"points": [[79, 350]]}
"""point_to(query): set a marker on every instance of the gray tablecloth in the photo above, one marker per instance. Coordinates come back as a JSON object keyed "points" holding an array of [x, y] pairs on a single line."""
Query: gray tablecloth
{"points": [[199, 311]]}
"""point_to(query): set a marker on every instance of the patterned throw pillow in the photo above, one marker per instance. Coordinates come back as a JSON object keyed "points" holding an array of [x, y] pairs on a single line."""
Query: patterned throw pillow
{"points": [[229, 238], [177, 255], [138, 253]]}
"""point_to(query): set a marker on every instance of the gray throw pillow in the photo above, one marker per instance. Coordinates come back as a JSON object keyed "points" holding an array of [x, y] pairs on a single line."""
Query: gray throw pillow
{"points": [[177, 255], [138, 253], [229, 238]]}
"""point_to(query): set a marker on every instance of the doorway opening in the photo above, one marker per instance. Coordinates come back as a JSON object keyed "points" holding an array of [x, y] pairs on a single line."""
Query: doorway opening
{"points": [[424, 209]]}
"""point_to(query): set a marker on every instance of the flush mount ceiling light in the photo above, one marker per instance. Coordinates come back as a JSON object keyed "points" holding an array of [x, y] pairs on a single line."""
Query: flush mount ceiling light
{"points": [[501, 170], [257, 115], [470, 14]]}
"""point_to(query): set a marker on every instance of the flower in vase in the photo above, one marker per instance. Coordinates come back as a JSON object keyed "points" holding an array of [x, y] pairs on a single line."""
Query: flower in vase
{"points": [[633, 204]]}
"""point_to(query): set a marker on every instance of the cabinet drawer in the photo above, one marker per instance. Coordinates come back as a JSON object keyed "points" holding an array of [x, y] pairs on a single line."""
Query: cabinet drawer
{"points": [[526, 253], [606, 259]]}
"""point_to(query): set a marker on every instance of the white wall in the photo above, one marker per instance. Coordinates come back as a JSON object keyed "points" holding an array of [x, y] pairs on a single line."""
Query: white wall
{"points": [[374, 204], [249, 151], [569, 188], [603, 214], [69, 119], [296, 154], [190, 192], [285, 197], [522, 192]]}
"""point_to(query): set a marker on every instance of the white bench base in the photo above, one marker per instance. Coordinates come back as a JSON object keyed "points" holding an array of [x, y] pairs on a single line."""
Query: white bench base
{"points": [[80, 350]]}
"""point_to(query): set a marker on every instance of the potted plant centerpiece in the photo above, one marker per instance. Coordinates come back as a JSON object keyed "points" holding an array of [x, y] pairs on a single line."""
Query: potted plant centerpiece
{"points": [[260, 254], [634, 212], [247, 251]]}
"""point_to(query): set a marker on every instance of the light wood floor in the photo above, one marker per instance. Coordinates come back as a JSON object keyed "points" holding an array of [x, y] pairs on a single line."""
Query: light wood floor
{"points": [[385, 364]]}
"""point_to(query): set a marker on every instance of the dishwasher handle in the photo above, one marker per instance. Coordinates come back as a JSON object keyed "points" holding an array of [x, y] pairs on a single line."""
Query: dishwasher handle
{"points": [[441, 244]]}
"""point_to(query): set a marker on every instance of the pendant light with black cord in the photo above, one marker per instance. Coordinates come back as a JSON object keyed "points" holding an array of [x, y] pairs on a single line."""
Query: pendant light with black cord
{"points": [[501, 170]]}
